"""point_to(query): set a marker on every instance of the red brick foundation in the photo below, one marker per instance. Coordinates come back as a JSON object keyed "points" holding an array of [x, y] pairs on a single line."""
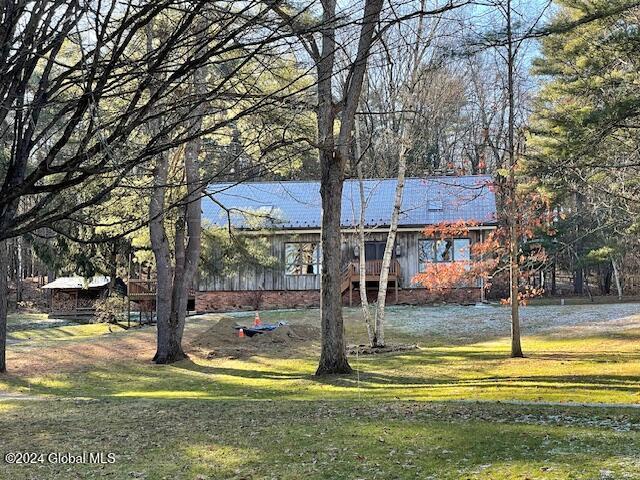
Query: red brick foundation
{"points": [[256, 299], [274, 299], [420, 296]]}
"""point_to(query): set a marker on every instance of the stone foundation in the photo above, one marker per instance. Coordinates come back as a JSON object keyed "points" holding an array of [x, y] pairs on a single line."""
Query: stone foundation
{"points": [[222, 301]]}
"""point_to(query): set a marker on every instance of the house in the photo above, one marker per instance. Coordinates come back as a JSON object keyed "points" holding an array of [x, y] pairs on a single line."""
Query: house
{"points": [[289, 214], [77, 296]]}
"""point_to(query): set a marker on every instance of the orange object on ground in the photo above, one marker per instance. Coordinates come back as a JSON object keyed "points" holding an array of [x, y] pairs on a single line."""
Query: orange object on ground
{"points": [[257, 320], [241, 333]]}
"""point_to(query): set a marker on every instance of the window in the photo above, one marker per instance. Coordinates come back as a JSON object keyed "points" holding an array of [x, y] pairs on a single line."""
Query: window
{"points": [[447, 250], [302, 258], [461, 249]]}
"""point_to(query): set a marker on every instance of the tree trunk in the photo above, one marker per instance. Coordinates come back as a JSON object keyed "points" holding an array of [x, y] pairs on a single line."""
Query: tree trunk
{"points": [[167, 350], [585, 275], [187, 255], [362, 260], [514, 270], [605, 273], [173, 290], [378, 340], [616, 276], [553, 275], [19, 270], [113, 267], [4, 293], [578, 273], [51, 276], [333, 356], [578, 281]]}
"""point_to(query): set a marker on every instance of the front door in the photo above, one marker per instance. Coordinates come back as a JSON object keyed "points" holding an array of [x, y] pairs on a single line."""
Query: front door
{"points": [[374, 250]]}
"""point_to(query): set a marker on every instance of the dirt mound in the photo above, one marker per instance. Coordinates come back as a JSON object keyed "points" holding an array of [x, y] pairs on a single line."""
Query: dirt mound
{"points": [[222, 340]]}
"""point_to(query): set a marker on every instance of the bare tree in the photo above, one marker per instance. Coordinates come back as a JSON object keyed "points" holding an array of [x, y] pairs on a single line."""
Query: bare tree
{"points": [[362, 261], [73, 97], [514, 244], [4, 299], [175, 278], [405, 71], [79, 91], [334, 153], [336, 148], [509, 41]]}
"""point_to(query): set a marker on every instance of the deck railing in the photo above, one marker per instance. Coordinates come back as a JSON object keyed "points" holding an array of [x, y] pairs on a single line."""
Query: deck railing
{"points": [[374, 267], [351, 272], [139, 288]]}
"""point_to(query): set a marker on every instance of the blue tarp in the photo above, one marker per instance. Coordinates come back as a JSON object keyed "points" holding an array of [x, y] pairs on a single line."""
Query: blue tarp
{"points": [[253, 330]]}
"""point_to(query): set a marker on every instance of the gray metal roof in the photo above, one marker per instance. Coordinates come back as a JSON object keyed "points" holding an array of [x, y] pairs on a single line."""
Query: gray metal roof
{"points": [[297, 205], [73, 283]]}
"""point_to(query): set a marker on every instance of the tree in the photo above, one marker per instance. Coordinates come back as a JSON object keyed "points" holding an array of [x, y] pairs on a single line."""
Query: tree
{"points": [[334, 152], [74, 97], [174, 278], [4, 300], [80, 92], [336, 121], [61, 132], [226, 251], [584, 146], [439, 277], [508, 42], [228, 87], [514, 272], [491, 255], [399, 84]]}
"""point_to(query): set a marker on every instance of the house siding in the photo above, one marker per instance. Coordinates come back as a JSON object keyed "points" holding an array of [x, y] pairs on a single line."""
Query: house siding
{"points": [[275, 279]]}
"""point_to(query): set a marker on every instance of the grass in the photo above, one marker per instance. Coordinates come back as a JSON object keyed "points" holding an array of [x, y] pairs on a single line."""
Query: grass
{"points": [[480, 371], [66, 332], [409, 415], [293, 440], [38, 327], [19, 321], [570, 299]]}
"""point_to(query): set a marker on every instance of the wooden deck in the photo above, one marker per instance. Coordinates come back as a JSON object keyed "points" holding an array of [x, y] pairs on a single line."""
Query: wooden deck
{"points": [[143, 291], [351, 276]]}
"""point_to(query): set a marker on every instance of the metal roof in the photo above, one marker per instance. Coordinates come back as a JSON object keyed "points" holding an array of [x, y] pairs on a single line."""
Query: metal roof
{"points": [[297, 204], [74, 283]]}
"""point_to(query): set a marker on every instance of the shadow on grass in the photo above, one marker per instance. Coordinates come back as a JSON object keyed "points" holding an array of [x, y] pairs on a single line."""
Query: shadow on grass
{"points": [[451, 372], [188, 379], [288, 439]]}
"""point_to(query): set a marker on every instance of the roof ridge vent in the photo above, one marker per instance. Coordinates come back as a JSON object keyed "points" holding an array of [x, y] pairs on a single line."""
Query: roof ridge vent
{"points": [[435, 205]]}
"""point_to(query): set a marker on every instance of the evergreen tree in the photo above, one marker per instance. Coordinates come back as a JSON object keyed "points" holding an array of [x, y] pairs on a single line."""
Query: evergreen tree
{"points": [[584, 143]]}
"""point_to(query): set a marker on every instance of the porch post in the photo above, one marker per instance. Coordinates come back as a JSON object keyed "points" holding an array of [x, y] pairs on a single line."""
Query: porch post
{"points": [[396, 282]]}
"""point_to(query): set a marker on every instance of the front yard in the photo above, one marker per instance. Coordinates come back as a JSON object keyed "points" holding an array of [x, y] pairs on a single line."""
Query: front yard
{"points": [[456, 408]]}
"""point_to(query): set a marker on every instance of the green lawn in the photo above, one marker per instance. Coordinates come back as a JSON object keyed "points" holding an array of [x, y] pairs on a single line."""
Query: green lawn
{"points": [[66, 332], [38, 327], [17, 321], [409, 415]]}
